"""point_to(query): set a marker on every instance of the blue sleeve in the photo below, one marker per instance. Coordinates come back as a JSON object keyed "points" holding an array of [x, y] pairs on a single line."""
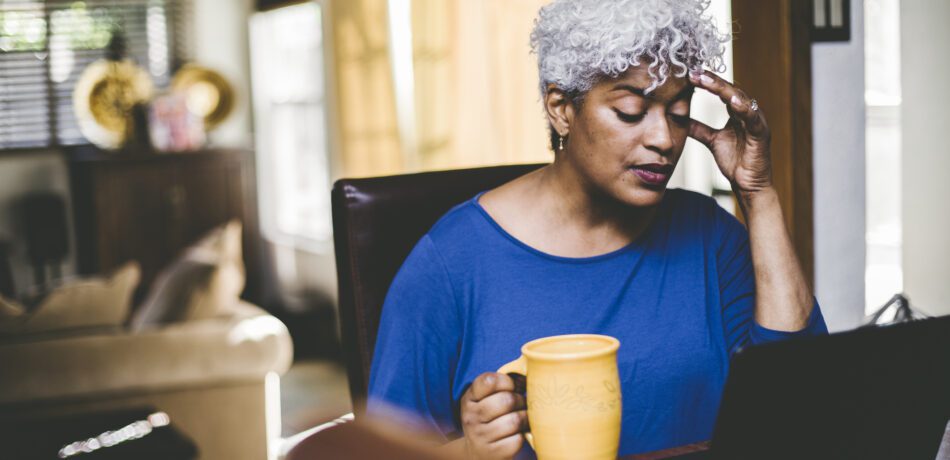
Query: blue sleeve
{"points": [[737, 290], [418, 344]]}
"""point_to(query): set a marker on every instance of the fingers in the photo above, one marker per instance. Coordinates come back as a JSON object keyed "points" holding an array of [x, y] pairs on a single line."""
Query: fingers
{"points": [[702, 132], [507, 447], [727, 93], [491, 396], [504, 447], [520, 381], [738, 103], [494, 435], [490, 383], [493, 416], [498, 404], [504, 426], [486, 435]]}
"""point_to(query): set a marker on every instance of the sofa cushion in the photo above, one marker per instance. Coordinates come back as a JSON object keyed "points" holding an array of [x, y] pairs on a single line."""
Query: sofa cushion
{"points": [[10, 310], [203, 282], [83, 304], [242, 347]]}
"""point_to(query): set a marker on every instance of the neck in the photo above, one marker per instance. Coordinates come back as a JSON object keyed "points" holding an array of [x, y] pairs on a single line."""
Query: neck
{"points": [[580, 205]]}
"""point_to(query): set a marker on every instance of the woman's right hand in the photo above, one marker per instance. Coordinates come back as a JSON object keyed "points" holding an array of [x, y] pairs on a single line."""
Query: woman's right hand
{"points": [[493, 417]]}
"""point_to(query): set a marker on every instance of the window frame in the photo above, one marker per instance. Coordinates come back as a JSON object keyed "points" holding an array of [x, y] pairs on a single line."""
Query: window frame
{"points": [[271, 230]]}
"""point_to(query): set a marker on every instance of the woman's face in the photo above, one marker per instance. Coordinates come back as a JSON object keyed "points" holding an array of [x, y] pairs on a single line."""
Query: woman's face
{"points": [[626, 143]]}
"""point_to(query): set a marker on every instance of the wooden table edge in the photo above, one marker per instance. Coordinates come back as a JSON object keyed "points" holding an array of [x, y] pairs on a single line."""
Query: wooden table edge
{"points": [[672, 452]]}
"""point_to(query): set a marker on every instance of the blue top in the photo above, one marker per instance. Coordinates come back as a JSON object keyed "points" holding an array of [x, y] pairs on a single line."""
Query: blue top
{"points": [[680, 299]]}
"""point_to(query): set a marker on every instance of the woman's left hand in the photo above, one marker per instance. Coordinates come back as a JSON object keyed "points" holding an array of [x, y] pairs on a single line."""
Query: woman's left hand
{"points": [[741, 148]]}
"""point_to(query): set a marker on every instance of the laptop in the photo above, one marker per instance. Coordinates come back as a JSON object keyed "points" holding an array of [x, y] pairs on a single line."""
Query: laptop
{"points": [[871, 393]]}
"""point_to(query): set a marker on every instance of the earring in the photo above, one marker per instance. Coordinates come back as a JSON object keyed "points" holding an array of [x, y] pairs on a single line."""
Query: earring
{"points": [[560, 142]]}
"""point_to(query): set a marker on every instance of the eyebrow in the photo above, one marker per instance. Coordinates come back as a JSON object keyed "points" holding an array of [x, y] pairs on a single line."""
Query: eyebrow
{"points": [[686, 91], [626, 87]]}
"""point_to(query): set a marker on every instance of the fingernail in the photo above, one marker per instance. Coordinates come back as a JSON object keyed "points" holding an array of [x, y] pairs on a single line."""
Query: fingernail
{"points": [[736, 101], [490, 379], [706, 79], [694, 75]]}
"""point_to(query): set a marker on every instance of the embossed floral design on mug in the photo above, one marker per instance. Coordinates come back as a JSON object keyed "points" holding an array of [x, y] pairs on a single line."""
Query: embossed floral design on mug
{"points": [[573, 394]]}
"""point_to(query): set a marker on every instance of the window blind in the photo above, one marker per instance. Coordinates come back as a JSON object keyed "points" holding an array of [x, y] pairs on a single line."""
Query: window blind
{"points": [[46, 45]]}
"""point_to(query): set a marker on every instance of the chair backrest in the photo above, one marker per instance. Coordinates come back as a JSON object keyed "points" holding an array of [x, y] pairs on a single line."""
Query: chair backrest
{"points": [[376, 223]]}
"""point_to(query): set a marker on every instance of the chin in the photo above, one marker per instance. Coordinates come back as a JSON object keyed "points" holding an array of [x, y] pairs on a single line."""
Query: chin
{"points": [[642, 197]]}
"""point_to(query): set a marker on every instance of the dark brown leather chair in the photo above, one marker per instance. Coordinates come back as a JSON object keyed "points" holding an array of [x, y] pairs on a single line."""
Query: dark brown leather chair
{"points": [[376, 222]]}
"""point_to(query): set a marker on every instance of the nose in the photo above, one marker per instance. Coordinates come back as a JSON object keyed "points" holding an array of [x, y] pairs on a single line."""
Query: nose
{"points": [[658, 136]]}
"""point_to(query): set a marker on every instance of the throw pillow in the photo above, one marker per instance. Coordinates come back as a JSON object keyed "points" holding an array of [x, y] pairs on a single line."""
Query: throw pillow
{"points": [[205, 281], [221, 290], [79, 304], [10, 310], [12, 315]]}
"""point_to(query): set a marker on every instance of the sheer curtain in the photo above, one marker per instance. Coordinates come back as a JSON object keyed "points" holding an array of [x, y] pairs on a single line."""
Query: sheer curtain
{"points": [[367, 138], [473, 94], [477, 100]]}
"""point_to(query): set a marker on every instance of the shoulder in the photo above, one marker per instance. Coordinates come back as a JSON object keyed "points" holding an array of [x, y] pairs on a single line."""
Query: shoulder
{"points": [[451, 229], [457, 237], [457, 225]]}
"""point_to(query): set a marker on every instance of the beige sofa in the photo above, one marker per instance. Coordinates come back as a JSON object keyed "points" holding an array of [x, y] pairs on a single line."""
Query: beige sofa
{"points": [[217, 378]]}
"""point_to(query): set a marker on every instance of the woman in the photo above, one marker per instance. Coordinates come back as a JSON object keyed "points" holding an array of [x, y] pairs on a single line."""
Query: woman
{"points": [[595, 243]]}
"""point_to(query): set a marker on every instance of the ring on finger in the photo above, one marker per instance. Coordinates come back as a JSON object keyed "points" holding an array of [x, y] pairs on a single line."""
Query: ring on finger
{"points": [[754, 105]]}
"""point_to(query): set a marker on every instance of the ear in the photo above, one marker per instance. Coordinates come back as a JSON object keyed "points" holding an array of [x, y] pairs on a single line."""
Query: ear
{"points": [[559, 109]]}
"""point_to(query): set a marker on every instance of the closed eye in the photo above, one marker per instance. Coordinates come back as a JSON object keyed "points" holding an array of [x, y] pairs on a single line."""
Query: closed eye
{"points": [[682, 120], [628, 117]]}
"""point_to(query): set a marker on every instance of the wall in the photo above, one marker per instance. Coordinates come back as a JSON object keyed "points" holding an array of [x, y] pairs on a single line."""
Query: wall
{"points": [[839, 175], [22, 173], [925, 54], [220, 42]]}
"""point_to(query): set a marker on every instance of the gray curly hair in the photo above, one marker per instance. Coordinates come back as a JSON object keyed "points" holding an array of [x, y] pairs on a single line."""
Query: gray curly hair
{"points": [[578, 42]]}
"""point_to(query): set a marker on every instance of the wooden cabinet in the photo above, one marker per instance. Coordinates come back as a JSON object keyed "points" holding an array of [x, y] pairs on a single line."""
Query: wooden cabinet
{"points": [[148, 208]]}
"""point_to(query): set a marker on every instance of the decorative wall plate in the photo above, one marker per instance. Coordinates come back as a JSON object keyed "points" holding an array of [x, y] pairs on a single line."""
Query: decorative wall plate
{"points": [[207, 93], [104, 97]]}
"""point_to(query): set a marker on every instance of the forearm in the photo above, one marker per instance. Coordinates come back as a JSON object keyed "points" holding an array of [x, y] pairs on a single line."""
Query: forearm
{"points": [[783, 300]]}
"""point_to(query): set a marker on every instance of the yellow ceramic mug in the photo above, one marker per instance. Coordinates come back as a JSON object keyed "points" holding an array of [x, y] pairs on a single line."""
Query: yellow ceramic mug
{"points": [[573, 396]]}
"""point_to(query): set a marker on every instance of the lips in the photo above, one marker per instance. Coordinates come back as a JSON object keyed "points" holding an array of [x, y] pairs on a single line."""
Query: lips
{"points": [[653, 173]]}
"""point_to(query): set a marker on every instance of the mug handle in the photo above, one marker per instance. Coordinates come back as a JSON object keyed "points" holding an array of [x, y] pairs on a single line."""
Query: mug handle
{"points": [[518, 366]]}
